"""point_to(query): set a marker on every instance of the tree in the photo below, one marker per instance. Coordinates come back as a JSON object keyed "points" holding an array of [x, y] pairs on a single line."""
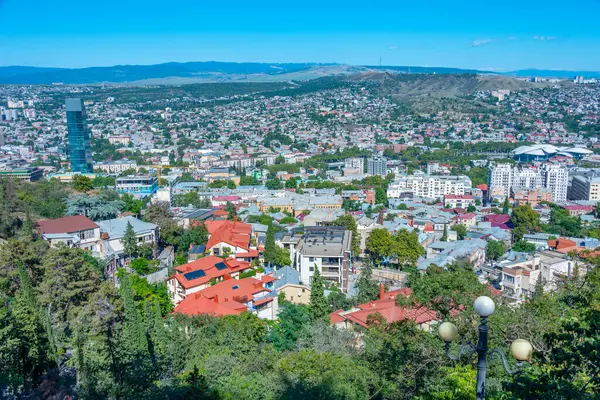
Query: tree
{"points": [[471, 208], [461, 231], [505, 206], [525, 218], [291, 183], [96, 208], [406, 247], [249, 181], [380, 196], [379, 243], [445, 234], [130, 241], [445, 289], [82, 183], [368, 289], [231, 185], [293, 321], [273, 184], [495, 249], [524, 246], [270, 250], [319, 309], [231, 211]]}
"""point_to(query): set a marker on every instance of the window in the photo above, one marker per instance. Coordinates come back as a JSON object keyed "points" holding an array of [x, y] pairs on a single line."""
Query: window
{"points": [[311, 269], [509, 278], [311, 259]]}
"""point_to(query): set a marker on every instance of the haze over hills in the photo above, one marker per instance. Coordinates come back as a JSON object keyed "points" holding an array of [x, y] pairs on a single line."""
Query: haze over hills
{"points": [[213, 71]]}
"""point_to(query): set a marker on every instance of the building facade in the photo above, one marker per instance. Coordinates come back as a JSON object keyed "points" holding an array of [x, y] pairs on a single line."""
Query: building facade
{"points": [[377, 166], [80, 151], [428, 186]]}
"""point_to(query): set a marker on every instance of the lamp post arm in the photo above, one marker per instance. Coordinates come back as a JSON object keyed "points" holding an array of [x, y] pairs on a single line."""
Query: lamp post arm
{"points": [[467, 349], [497, 354]]}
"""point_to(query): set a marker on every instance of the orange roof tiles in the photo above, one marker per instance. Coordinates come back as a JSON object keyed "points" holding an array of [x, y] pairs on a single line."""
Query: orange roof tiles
{"points": [[208, 265], [233, 233], [198, 304]]}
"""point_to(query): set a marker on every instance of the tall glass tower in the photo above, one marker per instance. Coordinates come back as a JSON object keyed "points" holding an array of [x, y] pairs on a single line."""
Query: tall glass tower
{"points": [[80, 150]]}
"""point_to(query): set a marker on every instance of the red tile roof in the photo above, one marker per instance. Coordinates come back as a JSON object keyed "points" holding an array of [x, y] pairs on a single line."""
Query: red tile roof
{"points": [[208, 265], [233, 233], [196, 304], [72, 224], [242, 290], [499, 220], [387, 308]]}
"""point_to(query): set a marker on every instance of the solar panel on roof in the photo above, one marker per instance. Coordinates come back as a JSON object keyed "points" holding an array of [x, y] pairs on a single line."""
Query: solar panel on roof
{"points": [[194, 275], [220, 266]]}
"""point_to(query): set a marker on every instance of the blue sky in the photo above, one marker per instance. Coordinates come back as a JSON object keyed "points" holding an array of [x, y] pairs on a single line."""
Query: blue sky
{"points": [[481, 34]]}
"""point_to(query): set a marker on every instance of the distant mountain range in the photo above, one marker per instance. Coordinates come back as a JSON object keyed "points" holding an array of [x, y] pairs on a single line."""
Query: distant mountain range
{"points": [[213, 71]]}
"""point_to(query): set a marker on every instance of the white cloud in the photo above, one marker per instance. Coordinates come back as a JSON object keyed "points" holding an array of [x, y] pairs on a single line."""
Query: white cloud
{"points": [[393, 47], [512, 38], [479, 42]]}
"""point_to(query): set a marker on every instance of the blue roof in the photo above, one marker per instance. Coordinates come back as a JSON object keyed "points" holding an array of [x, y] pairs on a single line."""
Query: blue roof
{"points": [[286, 275]]}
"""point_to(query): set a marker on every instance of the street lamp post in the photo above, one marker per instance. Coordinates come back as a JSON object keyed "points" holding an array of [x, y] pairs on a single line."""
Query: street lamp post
{"points": [[520, 349]]}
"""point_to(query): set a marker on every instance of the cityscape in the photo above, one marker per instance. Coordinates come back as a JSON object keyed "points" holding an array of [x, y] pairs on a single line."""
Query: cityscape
{"points": [[300, 230]]}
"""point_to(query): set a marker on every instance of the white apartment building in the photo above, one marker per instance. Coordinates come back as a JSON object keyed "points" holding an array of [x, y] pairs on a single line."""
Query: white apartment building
{"points": [[326, 248], [116, 167], [503, 177], [585, 188], [556, 178], [428, 186]]}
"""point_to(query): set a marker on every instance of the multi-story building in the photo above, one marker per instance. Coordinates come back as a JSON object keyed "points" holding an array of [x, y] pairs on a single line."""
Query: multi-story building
{"points": [[76, 231], [427, 186], [29, 174], [116, 167], [80, 151], [459, 201], [141, 185], [503, 177], [519, 278], [556, 179], [377, 166], [354, 163], [585, 188], [531, 196], [327, 249], [500, 180]]}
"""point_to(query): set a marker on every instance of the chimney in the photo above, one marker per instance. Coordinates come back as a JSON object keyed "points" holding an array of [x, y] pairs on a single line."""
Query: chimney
{"points": [[216, 298], [381, 291], [234, 219]]}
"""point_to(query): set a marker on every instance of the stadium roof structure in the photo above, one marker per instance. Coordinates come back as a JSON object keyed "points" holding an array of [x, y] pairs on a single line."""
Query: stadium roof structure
{"points": [[541, 152]]}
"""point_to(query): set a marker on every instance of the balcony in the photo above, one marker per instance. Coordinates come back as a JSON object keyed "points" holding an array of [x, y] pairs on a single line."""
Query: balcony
{"points": [[325, 271]]}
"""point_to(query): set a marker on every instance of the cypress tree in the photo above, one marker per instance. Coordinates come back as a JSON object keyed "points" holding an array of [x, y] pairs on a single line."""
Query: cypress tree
{"points": [[319, 309], [129, 241], [270, 252], [445, 234]]}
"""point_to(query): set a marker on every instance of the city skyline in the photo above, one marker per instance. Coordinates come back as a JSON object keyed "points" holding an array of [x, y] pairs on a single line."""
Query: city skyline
{"points": [[465, 35]]}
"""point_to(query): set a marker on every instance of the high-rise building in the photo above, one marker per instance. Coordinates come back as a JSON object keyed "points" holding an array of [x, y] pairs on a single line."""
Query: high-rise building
{"points": [[585, 188], [377, 166], [428, 186], [80, 150], [556, 178], [503, 178], [2, 138]]}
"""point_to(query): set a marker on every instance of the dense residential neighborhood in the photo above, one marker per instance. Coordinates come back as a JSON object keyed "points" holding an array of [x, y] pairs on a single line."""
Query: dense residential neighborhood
{"points": [[269, 233]]}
